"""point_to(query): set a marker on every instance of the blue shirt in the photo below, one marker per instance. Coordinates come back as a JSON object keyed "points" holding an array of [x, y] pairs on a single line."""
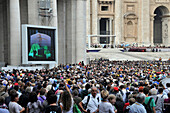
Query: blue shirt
{"points": [[3, 110], [137, 108]]}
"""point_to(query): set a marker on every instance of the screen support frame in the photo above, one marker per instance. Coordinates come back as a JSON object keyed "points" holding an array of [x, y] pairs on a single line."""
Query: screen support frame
{"points": [[25, 45]]}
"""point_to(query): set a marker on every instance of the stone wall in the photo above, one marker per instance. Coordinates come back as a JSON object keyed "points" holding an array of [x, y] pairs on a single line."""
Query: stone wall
{"points": [[140, 13]]}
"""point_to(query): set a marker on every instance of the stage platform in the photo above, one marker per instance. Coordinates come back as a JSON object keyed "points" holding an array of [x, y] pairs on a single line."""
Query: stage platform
{"points": [[117, 54], [93, 50], [145, 49]]}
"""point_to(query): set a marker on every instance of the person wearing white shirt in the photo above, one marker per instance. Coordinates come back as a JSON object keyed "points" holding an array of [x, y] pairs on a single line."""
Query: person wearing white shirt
{"points": [[164, 96], [123, 92], [167, 90], [92, 101]]}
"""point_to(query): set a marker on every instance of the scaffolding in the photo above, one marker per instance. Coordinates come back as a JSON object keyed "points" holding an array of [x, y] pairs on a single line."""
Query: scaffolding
{"points": [[45, 12]]}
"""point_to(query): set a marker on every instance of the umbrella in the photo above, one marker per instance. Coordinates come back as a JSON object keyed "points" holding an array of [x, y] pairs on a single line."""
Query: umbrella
{"points": [[122, 44], [165, 81], [127, 45]]}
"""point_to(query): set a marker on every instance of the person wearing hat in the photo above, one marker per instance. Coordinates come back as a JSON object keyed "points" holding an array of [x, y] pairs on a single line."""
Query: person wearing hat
{"points": [[115, 91], [141, 89]]}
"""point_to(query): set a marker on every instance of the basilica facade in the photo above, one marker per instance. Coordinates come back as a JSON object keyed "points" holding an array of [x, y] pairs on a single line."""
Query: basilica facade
{"points": [[144, 22]]}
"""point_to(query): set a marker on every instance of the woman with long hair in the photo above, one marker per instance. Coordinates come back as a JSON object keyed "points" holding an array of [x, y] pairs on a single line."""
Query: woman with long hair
{"points": [[67, 101]]}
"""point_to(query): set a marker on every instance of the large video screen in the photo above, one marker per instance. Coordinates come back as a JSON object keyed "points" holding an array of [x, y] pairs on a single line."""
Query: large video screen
{"points": [[41, 44]]}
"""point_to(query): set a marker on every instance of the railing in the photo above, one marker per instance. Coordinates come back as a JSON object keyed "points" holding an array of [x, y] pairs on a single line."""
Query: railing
{"points": [[101, 46], [104, 32]]}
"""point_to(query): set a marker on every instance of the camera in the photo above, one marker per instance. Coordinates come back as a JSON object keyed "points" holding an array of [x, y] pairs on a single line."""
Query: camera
{"points": [[88, 111]]}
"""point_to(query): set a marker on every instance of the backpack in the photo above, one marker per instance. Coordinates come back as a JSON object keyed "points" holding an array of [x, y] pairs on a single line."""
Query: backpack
{"points": [[162, 96], [23, 100], [147, 106], [76, 108], [127, 94], [53, 109], [88, 99], [42, 98], [127, 109], [3, 94]]}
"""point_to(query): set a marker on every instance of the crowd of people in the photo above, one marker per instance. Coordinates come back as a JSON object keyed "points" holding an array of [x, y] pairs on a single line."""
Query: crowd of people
{"points": [[102, 86]]}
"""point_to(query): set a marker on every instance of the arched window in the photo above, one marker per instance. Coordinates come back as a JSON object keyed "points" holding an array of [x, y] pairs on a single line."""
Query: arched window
{"points": [[130, 29]]}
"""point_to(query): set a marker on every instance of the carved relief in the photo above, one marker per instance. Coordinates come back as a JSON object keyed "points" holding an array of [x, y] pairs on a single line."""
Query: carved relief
{"points": [[105, 7], [166, 31], [130, 27], [130, 1], [105, 1], [161, 1], [130, 8]]}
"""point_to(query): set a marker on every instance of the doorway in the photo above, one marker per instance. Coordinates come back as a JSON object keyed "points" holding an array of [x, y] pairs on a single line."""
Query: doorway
{"points": [[160, 24], [104, 30]]}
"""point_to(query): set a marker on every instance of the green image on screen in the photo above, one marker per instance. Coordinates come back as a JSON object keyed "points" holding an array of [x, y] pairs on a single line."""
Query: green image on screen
{"points": [[35, 48], [41, 44]]}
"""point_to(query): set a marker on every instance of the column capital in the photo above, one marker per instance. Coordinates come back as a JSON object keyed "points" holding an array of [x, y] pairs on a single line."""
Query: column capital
{"points": [[99, 18], [111, 18], [166, 15], [152, 17], [81, 0]]}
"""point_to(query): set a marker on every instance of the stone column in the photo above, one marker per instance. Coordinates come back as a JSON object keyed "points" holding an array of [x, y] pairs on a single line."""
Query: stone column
{"points": [[15, 33], [94, 20], [73, 35], [98, 30], [146, 22], [81, 31], [61, 31], [88, 17], [118, 21], [55, 24], [2, 34], [33, 17], [89, 41], [111, 29], [68, 31], [168, 40], [113, 32], [165, 26], [152, 29]]}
